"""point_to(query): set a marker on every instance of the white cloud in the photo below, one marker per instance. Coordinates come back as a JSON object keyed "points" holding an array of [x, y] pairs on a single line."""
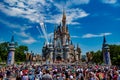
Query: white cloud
{"points": [[68, 3], [22, 33], [109, 1], [25, 27], [9, 24], [78, 2], [21, 5], [35, 10], [16, 26], [89, 35], [41, 36], [11, 2], [78, 27], [30, 40], [55, 19], [75, 37], [95, 35], [25, 36], [19, 9], [75, 23], [106, 34], [73, 14]]}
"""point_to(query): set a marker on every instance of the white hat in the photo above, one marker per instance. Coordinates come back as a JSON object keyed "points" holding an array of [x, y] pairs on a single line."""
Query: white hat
{"points": [[71, 76]]}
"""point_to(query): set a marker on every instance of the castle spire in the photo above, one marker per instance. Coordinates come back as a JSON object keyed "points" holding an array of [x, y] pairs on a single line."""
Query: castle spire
{"points": [[104, 42], [104, 39], [12, 39], [64, 18], [77, 45]]}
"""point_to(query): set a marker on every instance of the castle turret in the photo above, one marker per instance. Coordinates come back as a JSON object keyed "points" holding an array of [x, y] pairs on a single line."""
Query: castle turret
{"points": [[106, 52], [11, 52]]}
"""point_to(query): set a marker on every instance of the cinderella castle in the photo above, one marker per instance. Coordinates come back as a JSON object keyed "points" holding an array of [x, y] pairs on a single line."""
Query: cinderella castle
{"points": [[61, 48]]}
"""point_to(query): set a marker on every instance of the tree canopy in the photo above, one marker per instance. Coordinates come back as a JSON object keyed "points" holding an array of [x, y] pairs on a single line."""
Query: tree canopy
{"points": [[19, 52], [114, 55], [3, 51]]}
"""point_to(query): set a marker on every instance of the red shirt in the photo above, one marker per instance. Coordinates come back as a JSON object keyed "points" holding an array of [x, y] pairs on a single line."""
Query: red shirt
{"points": [[25, 72], [115, 77]]}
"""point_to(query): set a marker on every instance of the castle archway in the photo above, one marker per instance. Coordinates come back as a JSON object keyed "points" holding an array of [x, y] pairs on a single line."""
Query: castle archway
{"points": [[58, 58]]}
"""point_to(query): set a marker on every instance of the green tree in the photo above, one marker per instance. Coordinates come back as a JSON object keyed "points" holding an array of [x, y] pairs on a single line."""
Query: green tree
{"points": [[20, 53], [97, 57], [115, 54], [83, 59], [3, 51]]}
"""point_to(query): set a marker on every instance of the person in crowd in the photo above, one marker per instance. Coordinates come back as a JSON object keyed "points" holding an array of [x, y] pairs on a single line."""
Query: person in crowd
{"points": [[47, 75], [59, 72]]}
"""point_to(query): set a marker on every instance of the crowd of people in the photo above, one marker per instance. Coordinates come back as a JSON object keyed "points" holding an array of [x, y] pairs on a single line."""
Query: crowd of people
{"points": [[59, 72]]}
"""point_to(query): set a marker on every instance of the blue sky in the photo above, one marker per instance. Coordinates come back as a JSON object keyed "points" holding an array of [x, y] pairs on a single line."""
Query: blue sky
{"points": [[87, 20]]}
